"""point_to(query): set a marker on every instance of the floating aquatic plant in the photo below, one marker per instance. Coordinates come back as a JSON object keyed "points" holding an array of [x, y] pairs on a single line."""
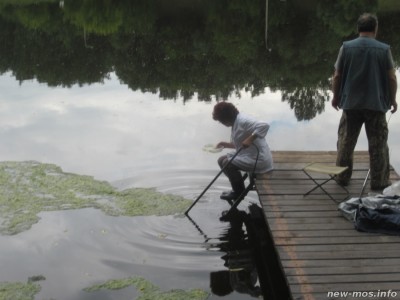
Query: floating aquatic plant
{"points": [[149, 290], [28, 188], [19, 290]]}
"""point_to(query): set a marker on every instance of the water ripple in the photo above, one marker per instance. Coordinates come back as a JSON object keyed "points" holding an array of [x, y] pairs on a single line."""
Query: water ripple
{"points": [[87, 246]]}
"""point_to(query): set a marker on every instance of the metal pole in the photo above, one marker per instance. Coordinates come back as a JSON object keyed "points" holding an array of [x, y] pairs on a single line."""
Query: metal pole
{"points": [[215, 178], [266, 24], [363, 187]]}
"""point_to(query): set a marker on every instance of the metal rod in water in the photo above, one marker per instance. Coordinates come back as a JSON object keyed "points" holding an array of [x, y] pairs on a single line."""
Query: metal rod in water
{"points": [[210, 184]]}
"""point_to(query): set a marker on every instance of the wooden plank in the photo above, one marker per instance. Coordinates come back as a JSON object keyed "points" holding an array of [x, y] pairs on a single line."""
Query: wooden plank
{"points": [[331, 263], [336, 270], [286, 253], [295, 200], [315, 220], [344, 247], [300, 214], [344, 278], [327, 207], [298, 200], [343, 286], [330, 233], [322, 227], [321, 239], [320, 251]]}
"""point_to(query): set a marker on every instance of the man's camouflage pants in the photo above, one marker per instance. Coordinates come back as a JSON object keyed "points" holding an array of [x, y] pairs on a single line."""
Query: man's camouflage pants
{"points": [[376, 128]]}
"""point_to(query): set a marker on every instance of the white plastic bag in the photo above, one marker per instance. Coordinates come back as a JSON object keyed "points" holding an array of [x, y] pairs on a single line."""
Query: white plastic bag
{"points": [[392, 190]]}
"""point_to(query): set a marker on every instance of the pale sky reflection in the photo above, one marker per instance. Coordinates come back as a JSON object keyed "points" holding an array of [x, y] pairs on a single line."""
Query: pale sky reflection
{"points": [[110, 132]]}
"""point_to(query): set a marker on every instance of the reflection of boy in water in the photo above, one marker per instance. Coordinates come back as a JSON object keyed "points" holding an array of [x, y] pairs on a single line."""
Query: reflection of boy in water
{"points": [[248, 134], [242, 281], [242, 274]]}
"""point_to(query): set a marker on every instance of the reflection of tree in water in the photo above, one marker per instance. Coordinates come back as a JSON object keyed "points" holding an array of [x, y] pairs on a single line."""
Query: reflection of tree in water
{"points": [[212, 49], [312, 102], [241, 275], [341, 15]]}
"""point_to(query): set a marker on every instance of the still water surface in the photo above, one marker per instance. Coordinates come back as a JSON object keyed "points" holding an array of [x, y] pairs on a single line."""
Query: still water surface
{"points": [[109, 132], [132, 140], [137, 136]]}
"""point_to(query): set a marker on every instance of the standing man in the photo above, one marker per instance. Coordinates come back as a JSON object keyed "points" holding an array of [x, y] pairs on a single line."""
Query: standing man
{"points": [[365, 86], [248, 134]]}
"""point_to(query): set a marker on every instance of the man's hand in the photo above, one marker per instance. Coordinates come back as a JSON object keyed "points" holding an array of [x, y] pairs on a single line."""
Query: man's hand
{"points": [[335, 103], [393, 89], [336, 80], [394, 109]]}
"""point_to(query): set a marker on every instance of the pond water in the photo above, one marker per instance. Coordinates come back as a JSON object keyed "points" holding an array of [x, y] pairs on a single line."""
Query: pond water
{"points": [[127, 98]]}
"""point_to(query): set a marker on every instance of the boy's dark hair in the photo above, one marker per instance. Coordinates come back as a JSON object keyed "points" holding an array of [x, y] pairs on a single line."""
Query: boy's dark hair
{"points": [[225, 111], [367, 23]]}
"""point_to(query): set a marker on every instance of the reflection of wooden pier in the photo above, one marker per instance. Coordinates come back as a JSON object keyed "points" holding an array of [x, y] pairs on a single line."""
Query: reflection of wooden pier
{"points": [[321, 255]]}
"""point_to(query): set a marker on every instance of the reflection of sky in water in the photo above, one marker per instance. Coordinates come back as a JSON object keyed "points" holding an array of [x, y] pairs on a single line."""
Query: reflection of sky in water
{"points": [[112, 133], [75, 248], [132, 139]]}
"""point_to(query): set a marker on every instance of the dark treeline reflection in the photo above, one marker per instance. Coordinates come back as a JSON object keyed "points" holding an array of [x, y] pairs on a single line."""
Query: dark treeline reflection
{"points": [[179, 48]]}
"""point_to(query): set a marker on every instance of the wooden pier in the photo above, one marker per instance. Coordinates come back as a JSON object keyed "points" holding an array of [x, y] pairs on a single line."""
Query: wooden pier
{"points": [[321, 254]]}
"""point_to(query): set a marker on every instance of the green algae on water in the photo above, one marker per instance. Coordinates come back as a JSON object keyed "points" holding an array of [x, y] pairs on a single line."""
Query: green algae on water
{"points": [[148, 290], [18, 290], [28, 188]]}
